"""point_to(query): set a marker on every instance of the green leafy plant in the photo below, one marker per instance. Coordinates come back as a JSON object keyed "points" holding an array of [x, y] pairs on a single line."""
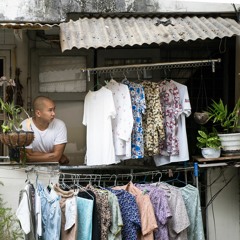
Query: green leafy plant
{"points": [[9, 225], [208, 139], [220, 115], [14, 119]]}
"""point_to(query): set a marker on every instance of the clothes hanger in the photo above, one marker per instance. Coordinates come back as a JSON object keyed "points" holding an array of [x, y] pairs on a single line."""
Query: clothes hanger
{"points": [[77, 184], [98, 85], [166, 75], [27, 181], [176, 180], [159, 179], [115, 180], [63, 185], [124, 75]]}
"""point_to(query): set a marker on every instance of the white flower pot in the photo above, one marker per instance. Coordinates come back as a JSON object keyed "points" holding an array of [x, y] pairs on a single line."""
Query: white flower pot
{"points": [[230, 143], [211, 152]]}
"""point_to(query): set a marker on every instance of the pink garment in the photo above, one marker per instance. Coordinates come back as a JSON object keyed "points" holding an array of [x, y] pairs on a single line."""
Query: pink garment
{"points": [[171, 107]]}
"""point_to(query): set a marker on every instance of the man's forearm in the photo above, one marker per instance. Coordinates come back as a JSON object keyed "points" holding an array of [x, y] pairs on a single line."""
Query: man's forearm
{"points": [[42, 157]]}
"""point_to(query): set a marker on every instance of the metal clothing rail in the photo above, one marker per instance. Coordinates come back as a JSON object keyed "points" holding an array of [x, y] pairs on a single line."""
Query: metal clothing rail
{"points": [[152, 66], [131, 173]]}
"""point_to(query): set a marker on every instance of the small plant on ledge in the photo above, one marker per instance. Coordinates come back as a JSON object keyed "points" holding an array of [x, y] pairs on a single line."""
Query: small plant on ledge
{"points": [[12, 134], [209, 143]]}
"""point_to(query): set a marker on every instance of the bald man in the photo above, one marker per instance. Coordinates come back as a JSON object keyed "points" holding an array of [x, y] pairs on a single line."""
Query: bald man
{"points": [[50, 133]]}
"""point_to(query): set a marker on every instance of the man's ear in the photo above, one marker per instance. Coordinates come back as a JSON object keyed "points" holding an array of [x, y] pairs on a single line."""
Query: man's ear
{"points": [[37, 113]]}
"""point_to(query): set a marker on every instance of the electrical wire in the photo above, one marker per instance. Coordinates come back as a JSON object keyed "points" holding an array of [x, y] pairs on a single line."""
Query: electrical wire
{"points": [[217, 193]]}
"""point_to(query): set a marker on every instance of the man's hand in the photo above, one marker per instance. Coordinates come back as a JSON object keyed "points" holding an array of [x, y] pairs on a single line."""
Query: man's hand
{"points": [[64, 160]]}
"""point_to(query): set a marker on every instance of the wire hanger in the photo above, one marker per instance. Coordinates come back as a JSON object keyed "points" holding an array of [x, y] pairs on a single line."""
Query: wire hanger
{"points": [[98, 85], [124, 75], [176, 180], [77, 184]]}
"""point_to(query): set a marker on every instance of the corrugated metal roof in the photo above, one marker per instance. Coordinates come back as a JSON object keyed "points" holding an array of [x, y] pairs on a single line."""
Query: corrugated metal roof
{"points": [[105, 32], [33, 26]]}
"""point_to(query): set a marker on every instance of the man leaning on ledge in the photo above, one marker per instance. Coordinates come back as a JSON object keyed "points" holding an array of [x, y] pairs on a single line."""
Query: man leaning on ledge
{"points": [[50, 133]]}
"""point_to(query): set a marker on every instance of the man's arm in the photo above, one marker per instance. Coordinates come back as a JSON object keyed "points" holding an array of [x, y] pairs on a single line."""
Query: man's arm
{"points": [[55, 156]]}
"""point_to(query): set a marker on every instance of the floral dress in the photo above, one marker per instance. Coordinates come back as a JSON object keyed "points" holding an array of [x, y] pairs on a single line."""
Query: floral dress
{"points": [[170, 101], [153, 119], [138, 107]]}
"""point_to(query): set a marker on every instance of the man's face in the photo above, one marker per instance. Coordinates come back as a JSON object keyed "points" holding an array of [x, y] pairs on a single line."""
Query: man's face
{"points": [[47, 113]]}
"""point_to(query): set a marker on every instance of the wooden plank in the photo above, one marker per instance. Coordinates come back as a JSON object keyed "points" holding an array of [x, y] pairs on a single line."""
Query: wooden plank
{"points": [[228, 158]]}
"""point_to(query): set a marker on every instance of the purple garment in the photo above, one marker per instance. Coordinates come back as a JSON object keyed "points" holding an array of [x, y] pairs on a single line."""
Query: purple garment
{"points": [[161, 209]]}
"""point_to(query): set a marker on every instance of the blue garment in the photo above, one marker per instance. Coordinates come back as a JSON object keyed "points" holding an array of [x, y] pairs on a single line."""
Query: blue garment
{"points": [[138, 106], [192, 201], [130, 214], [85, 216], [51, 213]]}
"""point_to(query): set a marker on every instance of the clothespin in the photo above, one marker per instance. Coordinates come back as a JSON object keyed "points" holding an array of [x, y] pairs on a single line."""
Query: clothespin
{"points": [[170, 173]]}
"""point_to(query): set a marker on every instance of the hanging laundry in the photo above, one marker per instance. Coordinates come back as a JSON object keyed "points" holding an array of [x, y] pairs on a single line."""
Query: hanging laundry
{"points": [[184, 112], [192, 202], [179, 222], [130, 214], [138, 107], [26, 212], [99, 109], [152, 119], [170, 102], [161, 208], [122, 124], [146, 211]]}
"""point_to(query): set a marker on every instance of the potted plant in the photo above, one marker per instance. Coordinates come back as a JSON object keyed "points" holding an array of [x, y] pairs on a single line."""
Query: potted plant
{"points": [[227, 123], [209, 143], [12, 134]]}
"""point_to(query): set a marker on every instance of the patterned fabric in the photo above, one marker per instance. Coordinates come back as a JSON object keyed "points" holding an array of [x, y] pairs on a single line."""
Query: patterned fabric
{"points": [[179, 222], [191, 198], [153, 119], [122, 124], [138, 107], [103, 209], [161, 209], [170, 101], [130, 214], [146, 211], [115, 229]]}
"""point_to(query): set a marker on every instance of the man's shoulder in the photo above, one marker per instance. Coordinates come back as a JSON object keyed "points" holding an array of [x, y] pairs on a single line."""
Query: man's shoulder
{"points": [[58, 122]]}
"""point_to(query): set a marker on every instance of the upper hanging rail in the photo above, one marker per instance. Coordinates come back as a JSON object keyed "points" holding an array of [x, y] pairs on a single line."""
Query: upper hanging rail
{"points": [[152, 66]]}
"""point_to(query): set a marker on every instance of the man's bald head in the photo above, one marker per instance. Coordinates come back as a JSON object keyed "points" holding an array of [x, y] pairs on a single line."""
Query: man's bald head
{"points": [[40, 102]]}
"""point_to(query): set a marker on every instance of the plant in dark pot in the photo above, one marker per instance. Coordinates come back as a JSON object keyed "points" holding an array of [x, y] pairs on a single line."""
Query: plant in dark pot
{"points": [[209, 143], [12, 134], [227, 123]]}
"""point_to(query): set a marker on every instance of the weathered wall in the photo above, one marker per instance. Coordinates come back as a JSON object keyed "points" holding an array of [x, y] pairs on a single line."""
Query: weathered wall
{"points": [[56, 10]]}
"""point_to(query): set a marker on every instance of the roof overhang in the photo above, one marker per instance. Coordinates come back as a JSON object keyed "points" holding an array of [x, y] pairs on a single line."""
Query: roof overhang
{"points": [[113, 31], [28, 25]]}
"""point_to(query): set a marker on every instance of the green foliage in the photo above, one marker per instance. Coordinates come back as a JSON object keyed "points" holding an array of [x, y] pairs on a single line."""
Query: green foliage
{"points": [[219, 114], [208, 139], [9, 225], [13, 113]]}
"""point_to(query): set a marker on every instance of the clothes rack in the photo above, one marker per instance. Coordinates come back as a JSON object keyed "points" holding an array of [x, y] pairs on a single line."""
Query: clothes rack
{"points": [[152, 66]]}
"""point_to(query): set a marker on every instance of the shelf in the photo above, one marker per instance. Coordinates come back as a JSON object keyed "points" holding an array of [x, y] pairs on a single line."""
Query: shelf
{"points": [[201, 159]]}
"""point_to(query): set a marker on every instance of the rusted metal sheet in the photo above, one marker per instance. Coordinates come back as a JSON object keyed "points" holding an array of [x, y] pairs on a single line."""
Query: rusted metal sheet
{"points": [[104, 32]]}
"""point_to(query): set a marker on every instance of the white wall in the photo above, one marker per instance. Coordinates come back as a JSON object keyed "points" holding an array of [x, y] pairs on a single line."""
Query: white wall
{"points": [[223, 215], [14, 179], [56, 11], [237, 76]]}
